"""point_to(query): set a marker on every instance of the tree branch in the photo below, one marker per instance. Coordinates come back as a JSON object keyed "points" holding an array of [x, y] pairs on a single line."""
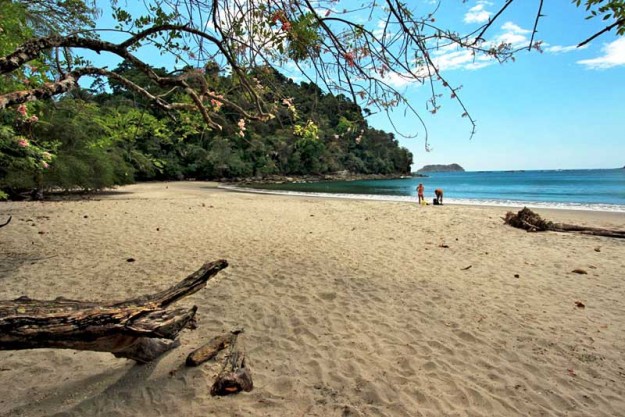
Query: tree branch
{"points": [[538, 16], [601, 32]]}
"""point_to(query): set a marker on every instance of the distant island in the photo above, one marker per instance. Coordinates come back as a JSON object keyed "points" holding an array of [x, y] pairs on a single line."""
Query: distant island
{"points": [[441, 168]]}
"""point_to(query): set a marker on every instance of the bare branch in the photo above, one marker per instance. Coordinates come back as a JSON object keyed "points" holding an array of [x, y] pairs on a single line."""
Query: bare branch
{"points": [[601, 32], [538, 16]]}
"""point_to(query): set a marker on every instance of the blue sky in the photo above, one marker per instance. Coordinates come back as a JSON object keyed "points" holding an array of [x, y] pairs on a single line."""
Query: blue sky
{"points": [[559, 109]]}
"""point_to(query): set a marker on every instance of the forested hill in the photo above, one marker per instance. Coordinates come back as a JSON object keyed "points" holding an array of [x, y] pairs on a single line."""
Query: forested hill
{"points": [[106, 137], [441, 168]]}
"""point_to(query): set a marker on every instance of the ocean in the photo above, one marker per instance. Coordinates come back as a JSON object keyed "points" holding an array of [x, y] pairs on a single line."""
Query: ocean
{"points": [[592, 189]]}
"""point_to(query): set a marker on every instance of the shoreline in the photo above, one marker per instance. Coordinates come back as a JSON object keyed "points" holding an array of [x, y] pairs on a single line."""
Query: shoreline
{"points": [[600, 208]]}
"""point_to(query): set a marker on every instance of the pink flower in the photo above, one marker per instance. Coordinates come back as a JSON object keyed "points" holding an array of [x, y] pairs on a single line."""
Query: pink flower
{"points": [[44, 164], [216, 100], [216, 104], [22, 109], [241, 125], [349, 57], [23, 143], [33, 119]]}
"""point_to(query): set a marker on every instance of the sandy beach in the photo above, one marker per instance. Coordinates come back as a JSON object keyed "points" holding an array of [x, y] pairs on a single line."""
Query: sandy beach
{"points": [[350, 308]]}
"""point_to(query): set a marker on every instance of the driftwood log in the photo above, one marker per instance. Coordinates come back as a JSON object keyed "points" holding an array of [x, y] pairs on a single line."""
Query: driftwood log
{"points": [[7, 222], [140, 329], [235, 376], [212, 348], [528, 220]]}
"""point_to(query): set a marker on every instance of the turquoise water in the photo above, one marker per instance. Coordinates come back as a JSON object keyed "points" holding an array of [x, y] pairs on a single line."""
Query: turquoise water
{"points": [[597, 189]]}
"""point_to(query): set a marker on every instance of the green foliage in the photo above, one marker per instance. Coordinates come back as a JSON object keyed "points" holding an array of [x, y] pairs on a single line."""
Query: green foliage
{"points": [[59, 16], [309, 132], [606, 10], [303, 37], [88, 169], [25, 19], [99, 141], [22, 160], [88, 157], [13, 32]]}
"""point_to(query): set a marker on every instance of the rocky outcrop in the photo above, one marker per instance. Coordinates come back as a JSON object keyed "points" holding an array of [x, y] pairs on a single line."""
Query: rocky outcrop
{"points": [[441, 168], [336, 176]]}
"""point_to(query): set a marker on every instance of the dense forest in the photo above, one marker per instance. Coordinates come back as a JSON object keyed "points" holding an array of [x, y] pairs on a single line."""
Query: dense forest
{"points": [[107, 135]]}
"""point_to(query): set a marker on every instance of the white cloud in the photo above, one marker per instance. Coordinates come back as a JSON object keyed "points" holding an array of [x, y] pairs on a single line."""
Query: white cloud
{"points": [[398, 81], [613, 56], [478, 13], [514, 28], [558, 49], [513, 34], [458, 60], [382, 29], [450, 57]]}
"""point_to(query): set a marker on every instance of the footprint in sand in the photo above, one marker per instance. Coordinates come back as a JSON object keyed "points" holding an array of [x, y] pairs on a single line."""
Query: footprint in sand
{"points": [[327, 296]]}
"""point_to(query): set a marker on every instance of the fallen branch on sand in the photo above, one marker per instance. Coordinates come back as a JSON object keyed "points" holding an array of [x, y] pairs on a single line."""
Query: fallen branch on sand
{"points": [[212, 348], [235, 376], [141, 329], [7, 222], [528, 220]]}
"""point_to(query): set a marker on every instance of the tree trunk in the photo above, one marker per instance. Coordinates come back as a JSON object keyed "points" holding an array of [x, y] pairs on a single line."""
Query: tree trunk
{"points": [[140, 329]]}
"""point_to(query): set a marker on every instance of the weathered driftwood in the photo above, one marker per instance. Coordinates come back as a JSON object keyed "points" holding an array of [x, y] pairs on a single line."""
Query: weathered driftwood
{"points": [[595, 231], [235, 376], [528, 220], [212, 348], [7, 222], [140, 329]]}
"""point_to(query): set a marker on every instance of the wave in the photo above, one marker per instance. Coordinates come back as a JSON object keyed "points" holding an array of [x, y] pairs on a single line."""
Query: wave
{"points": [[615, 208]]}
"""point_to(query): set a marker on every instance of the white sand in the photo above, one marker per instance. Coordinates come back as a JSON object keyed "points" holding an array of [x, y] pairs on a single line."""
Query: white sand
{"points": [[351, 308]]}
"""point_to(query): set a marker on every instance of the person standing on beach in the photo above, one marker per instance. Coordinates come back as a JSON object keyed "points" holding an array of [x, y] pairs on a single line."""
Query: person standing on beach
{"points": [[420, 193], [439, 195]]}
